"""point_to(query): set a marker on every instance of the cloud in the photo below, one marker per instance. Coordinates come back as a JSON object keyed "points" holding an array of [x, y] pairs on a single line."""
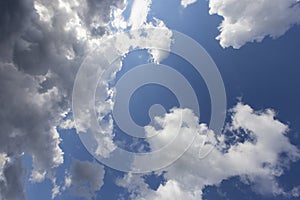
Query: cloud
{"points": [[12, 176], [138, 189], [25, 119], [186, 3], [13, 19], [42, 44], [86, 178], [153, 33], [257, 160], [173, 189], [139, 13], [249, 21], [89, 73], [138, 19]]}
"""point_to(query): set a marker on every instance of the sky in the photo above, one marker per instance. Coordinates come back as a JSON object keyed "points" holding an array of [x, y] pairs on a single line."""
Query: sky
{"points": [[148, 99]]}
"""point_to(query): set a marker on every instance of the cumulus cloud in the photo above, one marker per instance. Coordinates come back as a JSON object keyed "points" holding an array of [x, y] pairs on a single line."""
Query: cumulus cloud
{"points": [[257, 160], [249, 21], [25, 120], [42, 45]]}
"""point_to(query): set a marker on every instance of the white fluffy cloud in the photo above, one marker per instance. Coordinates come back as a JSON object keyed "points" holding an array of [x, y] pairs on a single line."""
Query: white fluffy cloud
{"points": [[257, 160], [252, 21], [249, 21]]}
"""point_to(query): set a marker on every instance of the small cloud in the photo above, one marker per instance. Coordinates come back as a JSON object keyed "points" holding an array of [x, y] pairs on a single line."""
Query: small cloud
{"points": [[186, 3]]}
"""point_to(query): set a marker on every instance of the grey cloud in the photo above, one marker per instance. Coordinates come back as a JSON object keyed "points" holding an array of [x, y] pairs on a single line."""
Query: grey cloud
{"points": [[101, 8], [25, 122], [87, 178], [12, 187], [36, 78], [14, 16], [98, 15]]}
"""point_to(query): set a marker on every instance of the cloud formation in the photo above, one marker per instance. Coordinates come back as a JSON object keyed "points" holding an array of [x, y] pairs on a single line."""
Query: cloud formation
{"points": [[250, 21], [42, 44], [257, 160], [145, 33]]}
